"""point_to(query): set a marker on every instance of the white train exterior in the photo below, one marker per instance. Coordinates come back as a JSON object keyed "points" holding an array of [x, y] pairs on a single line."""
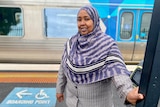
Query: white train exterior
{"points": [[35, 31]]}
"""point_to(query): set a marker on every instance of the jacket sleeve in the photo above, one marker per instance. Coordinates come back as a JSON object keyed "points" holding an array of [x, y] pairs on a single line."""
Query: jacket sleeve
{"points": [[123, 85], [61, 80]]}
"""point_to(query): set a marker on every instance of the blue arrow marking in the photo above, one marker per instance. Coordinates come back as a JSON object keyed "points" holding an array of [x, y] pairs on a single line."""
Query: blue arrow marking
{"points": [[30, 97]]}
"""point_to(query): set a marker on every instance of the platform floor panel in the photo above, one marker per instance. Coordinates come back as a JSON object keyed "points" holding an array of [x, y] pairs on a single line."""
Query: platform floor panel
{"points": [[28, 77], [28, 67]]}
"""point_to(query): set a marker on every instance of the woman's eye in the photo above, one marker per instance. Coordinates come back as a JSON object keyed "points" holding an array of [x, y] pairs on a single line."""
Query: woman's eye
{"points": [[78, 19], [87, 19]]}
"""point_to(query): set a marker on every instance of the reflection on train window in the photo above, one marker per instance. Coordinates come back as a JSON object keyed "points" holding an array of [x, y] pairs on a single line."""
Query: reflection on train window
{"points": [[126, 25], [11, 23], [60, 22], [145, 24]]}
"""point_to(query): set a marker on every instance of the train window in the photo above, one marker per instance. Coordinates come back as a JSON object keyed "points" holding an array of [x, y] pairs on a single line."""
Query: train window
{"points": [[60, 22], [11, 23], [126, 25], [145, 24]]}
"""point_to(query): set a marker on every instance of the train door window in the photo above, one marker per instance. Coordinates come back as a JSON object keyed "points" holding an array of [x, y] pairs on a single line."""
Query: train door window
{"points": [[11, 23], [126, 25], [145, 24], [60, 22]]}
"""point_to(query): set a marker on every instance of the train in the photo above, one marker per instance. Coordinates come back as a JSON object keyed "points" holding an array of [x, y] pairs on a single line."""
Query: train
{"points": [[35, 31]]}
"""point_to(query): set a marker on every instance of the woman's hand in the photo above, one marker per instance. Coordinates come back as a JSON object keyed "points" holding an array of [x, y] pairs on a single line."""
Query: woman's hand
{"points": [[133, 96], [60, 97]]}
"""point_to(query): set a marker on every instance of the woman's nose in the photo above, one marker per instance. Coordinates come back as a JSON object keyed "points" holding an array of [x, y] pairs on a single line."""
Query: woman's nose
{"points": [[82, 22]]}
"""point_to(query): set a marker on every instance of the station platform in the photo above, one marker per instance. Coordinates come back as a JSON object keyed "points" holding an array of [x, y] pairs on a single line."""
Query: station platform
{"points": [[33, 78]]}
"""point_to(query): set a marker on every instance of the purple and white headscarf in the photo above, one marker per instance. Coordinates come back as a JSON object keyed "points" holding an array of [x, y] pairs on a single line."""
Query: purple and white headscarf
{"points": [[92, 57]]}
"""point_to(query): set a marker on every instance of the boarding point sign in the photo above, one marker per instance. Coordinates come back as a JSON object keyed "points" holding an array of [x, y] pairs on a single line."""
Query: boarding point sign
{"points": [[30, 97]]}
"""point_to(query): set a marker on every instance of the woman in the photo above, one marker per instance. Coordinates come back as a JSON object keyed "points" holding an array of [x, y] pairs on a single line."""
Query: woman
{"points": [[90, 63]]}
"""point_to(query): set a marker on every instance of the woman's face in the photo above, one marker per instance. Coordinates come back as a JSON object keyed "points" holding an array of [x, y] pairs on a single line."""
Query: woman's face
{"points": [[84, 22]]}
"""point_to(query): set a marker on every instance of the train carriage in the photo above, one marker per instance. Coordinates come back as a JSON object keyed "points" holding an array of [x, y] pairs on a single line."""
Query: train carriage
{"points": [[36, 31]]}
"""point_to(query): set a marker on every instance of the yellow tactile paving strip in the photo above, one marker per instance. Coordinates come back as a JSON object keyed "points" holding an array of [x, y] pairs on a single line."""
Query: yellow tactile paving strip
{"points": [[28, 77]]}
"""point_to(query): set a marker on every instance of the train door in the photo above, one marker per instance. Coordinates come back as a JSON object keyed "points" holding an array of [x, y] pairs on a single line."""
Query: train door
{"points": [[133, 26], [126, 30], [141, 33]]}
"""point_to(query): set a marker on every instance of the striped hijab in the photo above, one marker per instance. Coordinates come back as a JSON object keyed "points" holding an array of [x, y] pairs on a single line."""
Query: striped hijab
{"points": [[93, 57]]}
